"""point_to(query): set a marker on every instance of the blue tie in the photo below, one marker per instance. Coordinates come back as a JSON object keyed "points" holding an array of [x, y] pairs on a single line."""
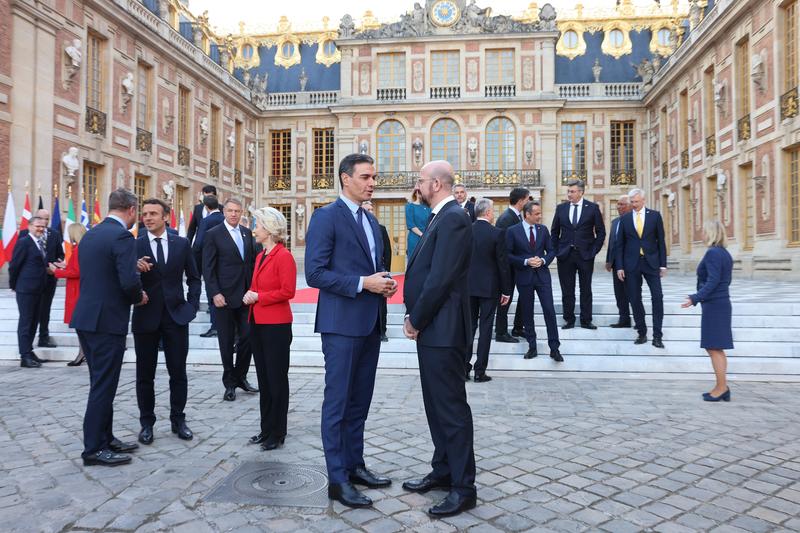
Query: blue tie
{"points": [[237, 236]]}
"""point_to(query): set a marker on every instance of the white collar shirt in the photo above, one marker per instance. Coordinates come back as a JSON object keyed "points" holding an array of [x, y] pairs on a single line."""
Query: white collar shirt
{"points": [[154, 245]]}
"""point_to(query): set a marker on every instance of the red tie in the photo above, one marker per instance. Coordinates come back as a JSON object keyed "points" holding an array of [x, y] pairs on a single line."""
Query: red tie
{"points": [[532, 238]]}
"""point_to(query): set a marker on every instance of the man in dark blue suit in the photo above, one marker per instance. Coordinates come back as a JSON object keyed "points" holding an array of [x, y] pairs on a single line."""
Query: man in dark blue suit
{"points": [[489, 283], [110, 284], [578, 235], [344, 260], [200, 212], [27, 277], [623, 306], [517, 198], [439, 318], [642, 254], [530, 252], [212, 218], [164, 260]]}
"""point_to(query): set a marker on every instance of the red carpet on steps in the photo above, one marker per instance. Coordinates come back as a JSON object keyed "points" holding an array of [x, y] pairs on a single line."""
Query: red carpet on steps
{"points": [[309, 296]]}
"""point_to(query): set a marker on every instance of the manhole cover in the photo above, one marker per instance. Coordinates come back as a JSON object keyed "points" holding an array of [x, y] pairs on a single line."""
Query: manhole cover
{"points": [[273, 484]]}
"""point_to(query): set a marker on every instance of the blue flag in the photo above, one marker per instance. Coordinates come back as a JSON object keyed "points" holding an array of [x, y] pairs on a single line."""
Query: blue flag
{"points": [[84, 215], [55, 222]]}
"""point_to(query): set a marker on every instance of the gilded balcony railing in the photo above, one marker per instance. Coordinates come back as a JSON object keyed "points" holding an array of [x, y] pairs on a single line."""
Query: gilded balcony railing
{"points": [[743, 132], [184, 156], [322, 181], [95, 121], [789, 104], [472, 179], [568, 175], [623, 176], [711, 145], [144, 140], [280, 183]]}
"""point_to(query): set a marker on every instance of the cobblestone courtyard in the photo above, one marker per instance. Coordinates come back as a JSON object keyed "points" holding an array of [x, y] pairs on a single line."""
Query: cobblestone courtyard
{"points": [[553, 454]]}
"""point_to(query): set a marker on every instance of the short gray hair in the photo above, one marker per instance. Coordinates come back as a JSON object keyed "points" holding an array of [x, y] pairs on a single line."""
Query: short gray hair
{"points": [[233, 201], [122, 199], [483, 206], [577, 183], [273, 222], [635, 192], [459, 185], [35, 218], [528, 207]]}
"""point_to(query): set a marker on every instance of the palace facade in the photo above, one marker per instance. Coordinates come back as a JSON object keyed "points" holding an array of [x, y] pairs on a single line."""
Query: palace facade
{"points": [[696, 102]]}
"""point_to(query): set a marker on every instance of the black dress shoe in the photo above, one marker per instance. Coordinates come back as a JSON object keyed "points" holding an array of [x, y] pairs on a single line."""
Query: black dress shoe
{"points": [[621, 324], [182, 430], [258, 439], [452, 505], [245, 386], [272, 443], [427, 483], [78, 361], [47, 342], [568, 325], [210, 333], [641, 339], [106, 458], [230, 394], [346, 494], [118, 446], [531, 353], [657, 343], [146, 435], [29, 362], [39, 359], [362, 476], [482, 378], [555, 355], [517, 333], [384, 338], [588, 325], [505, 337]]}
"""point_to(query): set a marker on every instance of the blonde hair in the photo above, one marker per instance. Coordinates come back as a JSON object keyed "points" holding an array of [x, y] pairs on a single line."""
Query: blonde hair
{"points": [[76, 232], [714, 234], [273, 222]]}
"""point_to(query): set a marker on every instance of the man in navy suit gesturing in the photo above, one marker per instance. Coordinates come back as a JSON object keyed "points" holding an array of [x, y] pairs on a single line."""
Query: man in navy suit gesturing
{"points": [[164, 260], [578, 235], [344, 260], [530, 251], [642, 253], [110, 284]]}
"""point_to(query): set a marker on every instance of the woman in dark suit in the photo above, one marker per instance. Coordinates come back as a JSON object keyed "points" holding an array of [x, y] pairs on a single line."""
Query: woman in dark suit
{"points": [[713, 280], [71, 272], [273, 285]]}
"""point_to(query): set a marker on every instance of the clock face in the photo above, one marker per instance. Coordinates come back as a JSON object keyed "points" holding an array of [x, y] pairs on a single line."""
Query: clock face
{"points": [[445, 13]]}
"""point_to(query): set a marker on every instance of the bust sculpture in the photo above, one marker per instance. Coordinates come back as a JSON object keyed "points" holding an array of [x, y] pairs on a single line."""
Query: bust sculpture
{"points": [[71, 162], [75, 54]]}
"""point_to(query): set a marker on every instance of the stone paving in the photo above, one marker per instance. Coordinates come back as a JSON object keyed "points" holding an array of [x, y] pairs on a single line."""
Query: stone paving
{"points": [[553, 454]]}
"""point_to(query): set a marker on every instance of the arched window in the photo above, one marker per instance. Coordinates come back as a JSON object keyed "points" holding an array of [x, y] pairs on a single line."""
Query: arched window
{"points": [[571, 39], [445, 140], [287, 50], [247, 52], [616, 38], [329, 48], [501, 150], [391, 147], [663, 36]]}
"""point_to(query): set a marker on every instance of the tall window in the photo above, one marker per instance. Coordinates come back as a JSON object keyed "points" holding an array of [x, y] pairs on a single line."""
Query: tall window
{"points": [[237, 128], [143, 82], [94, 72], [794, 196], [286, 211], [790, 46], [392, 71], [444, 68], [500, 67], [183, 116], [391, 147], [140, 190], [215, 133], [743, 78], [622, 149], [501, 149], [91, 174], [573, 149], [445, 138], [281, 153], [710, 115], [324, 157]]}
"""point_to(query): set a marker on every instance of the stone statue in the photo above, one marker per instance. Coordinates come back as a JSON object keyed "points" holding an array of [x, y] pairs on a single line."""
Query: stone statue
{"points": [[303, 79], [596, 70], [197, 34], [656, 63], [347, 27], [203, 129], [163, 9], [231, 141], [168, 189], [472, 149], [758, 72], [75, 54], [695, 14], [251, 151], [476, 17], [246, 77], [719, 92], [263, 87], [547, 18], [71, 162], [419, 20], [363, 147], [645, 71], [127, 84]]}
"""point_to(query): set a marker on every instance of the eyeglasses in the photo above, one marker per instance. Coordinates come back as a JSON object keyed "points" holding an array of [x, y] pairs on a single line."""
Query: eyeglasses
{"points": [[420, 180]]}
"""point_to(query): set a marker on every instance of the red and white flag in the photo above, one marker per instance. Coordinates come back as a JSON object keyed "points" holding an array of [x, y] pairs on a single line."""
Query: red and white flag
{"points": [[9, 230], [26, 214]]}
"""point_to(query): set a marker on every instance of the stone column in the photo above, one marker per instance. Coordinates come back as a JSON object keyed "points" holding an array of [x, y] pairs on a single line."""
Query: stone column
{"points": [[548, 65]]}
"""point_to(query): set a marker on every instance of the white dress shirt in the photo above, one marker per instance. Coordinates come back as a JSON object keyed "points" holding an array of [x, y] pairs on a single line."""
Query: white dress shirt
{"points": [[572, 207], [526, 227], [232, 230], [154, 245]]}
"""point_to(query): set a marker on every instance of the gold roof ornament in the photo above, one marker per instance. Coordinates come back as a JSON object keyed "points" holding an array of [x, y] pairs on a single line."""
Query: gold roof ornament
{"points": [[369, 22]]}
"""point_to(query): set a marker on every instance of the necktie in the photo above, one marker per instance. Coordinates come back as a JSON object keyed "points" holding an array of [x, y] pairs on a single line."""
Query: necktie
{"points": [[519, 216], [532, 238], [160, 253], [574, 214], [360, 220], [430, 219], [640, 228], [237, 236], [42, 247]]}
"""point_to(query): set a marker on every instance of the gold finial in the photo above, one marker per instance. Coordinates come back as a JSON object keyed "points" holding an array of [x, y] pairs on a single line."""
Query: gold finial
{"points": [[579, 10], [241, 27], [369, 21], [325, 21], [284, 26]]}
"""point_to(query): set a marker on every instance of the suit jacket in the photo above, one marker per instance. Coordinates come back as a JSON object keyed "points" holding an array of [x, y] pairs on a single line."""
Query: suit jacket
{"points": [[387, 248], [507, 219], [211, 221], [170, 230], [110, 283], [27, 271], [194, 224], [613, 242], [652, 242], [587, 236], [54, 245], [519, 249], [337, 255], [470, 210], [275, 281], [489, 274], [436, 291], [224, 270], [164, 287]]}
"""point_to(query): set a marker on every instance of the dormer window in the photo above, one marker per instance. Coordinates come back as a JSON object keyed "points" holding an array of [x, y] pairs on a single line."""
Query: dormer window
{"points": [[287, 50], [663, 36], [616, 38], [570, 40]]}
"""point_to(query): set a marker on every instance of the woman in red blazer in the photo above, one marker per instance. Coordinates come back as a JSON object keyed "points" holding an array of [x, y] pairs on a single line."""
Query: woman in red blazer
{"points": [[71, 272], [273, 285]]}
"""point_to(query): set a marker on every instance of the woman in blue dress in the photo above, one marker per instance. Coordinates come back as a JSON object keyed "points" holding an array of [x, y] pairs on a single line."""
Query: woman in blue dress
{"points": [[713, 281], [416, 220]]}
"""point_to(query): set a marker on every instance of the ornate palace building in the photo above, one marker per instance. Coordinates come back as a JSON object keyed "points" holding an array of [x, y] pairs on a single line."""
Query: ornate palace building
{"points": [[694, 101]]}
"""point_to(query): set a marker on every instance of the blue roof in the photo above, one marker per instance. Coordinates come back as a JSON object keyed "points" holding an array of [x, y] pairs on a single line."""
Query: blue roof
{"points": [[579, 70], [283, 80], [185, 28], [152, 5]]}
